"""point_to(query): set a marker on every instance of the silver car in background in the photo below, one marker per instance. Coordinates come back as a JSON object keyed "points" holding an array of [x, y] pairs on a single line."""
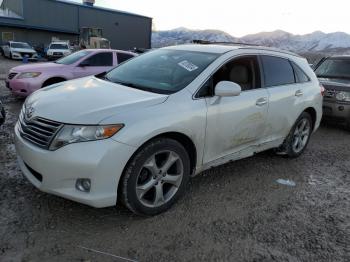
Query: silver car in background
{"points": [[140, 131]]}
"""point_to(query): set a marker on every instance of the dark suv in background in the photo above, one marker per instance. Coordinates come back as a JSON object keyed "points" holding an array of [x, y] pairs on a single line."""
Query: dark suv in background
{"points": [[334, 74]]}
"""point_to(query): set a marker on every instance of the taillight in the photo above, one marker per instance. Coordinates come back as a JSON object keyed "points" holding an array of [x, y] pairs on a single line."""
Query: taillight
{"points": [[322, 89]]}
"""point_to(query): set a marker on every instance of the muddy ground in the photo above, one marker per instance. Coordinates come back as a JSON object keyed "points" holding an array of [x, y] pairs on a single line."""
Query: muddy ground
{"points": [[236, 212]]}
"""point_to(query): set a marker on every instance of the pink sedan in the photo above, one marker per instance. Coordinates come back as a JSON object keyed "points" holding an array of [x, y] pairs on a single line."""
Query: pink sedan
{"points": [[25, 79]]}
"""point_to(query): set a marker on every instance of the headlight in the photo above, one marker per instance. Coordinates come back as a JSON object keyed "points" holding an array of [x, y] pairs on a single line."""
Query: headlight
{"points": [[343, 96], [29, 75], [74, 134]]}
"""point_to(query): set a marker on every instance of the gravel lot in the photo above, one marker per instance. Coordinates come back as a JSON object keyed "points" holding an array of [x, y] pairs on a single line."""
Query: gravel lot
{"points": [[236, 212]]}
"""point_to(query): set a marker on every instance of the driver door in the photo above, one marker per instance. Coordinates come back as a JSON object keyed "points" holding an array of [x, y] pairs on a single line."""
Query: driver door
{"points": [[236, 123]]}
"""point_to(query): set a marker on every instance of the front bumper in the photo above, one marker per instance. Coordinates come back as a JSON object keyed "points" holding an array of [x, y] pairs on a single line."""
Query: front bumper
{"points": [[100, 161], [24, 87], [339, 112], [20, 56]]}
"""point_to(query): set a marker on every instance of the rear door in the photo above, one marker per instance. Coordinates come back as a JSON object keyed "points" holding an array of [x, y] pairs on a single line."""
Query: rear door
{"points": [[95, 64], [285, 96]]}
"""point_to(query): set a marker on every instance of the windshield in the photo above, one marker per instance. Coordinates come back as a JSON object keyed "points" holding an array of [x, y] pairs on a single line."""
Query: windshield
{"points": [[58, 46], [71, 59], [161, 71], [20, 45], [334, 68]]}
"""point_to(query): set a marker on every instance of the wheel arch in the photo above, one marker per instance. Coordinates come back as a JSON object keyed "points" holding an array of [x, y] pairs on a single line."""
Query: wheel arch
{"points": [[53, 80], [183, 139], [313, 113]]}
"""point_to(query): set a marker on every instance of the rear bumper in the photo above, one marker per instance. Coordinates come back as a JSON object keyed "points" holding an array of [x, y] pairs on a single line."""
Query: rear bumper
{"points": [[336, 112]]}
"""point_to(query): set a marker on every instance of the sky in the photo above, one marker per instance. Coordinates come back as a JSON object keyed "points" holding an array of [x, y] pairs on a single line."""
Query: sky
{"points": [[241, 17]]}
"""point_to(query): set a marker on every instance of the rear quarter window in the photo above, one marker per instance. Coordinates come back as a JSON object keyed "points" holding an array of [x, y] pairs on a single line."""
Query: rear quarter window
{"points": [[122, 57], [300, 75], [277, 71]]}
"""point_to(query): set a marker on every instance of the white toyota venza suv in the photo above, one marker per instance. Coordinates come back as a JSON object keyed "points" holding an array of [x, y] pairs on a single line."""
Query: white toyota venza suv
{"points": [[138, 132]]}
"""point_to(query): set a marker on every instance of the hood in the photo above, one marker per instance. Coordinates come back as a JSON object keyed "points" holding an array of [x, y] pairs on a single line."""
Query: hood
{"points": [[338, 84], [23, 50], [37, 67], [88, 101]]}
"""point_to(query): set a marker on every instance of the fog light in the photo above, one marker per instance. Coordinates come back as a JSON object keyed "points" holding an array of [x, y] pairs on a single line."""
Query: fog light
{"points": [[83, 184]]}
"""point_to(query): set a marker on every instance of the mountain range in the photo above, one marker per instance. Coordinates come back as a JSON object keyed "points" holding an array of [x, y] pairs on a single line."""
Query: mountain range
{"points": [[316, 42]]}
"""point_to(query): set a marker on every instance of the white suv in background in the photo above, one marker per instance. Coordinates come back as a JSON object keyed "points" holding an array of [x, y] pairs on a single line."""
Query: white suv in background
{"points": [[140, 131], [57, 50]]}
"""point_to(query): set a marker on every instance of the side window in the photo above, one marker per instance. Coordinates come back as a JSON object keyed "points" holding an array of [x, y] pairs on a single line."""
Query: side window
{"points": [[100, 59], [206, 90], [300, 76], [243, 71], [277, 71], [122, 57]]}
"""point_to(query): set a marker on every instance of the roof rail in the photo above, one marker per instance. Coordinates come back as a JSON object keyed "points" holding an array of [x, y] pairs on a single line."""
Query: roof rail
{"points": [[246, 46], [206, 42]]}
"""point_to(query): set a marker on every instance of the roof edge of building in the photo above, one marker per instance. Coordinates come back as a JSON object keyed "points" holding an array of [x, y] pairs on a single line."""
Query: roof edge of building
{"points": [[39, 28], [68, 2]]}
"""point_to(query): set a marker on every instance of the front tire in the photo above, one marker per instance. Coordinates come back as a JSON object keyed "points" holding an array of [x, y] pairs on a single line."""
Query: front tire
{"points": [[156, 177], [298, 138]]}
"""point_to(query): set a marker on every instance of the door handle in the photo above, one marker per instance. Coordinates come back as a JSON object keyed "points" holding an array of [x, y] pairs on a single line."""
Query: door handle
{"points": [[261, 101], [299, 93]]}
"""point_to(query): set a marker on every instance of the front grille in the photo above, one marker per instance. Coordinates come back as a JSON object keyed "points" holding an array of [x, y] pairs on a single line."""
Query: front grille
{"points": [[330, 93], [58, 53], [29, 55], [39, 131], [11, 75]]}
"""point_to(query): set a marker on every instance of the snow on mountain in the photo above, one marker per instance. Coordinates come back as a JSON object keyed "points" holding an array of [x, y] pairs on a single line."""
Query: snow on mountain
{"points": [[314, 42], [183, 35]]}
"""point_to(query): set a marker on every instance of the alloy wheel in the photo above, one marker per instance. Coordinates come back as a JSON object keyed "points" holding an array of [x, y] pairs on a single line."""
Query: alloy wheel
{"points": [[159, 179], [301, 135]]}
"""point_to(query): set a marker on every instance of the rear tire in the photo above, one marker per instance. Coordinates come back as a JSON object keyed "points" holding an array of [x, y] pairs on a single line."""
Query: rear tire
{"points": [[298, 138], [155, 178]]}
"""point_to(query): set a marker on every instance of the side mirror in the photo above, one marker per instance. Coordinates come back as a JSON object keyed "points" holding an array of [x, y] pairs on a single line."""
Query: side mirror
{"points": [[84, 63], [227, 88]]}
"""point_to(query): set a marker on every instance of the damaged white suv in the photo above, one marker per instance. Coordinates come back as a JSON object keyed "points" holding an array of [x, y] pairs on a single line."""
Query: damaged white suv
{"points": [[140, 131]]}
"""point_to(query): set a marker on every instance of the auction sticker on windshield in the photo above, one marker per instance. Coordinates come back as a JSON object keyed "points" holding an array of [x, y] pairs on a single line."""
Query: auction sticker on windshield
{"points": [[188, 65]]}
